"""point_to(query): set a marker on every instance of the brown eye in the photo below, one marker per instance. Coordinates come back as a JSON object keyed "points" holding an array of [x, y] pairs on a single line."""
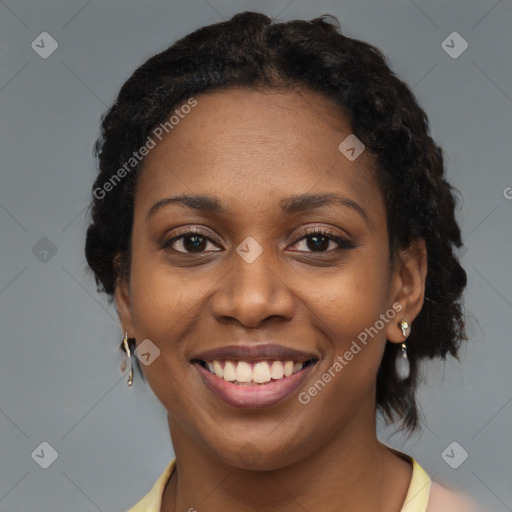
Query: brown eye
{"points": [[320, 240], [190, 241]]}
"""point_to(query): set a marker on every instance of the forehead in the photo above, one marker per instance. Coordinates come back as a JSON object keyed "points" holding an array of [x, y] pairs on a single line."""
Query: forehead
{"points": [[256, 147]]}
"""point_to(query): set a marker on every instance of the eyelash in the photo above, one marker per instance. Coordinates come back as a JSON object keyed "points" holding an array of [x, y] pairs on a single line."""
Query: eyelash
{"points": [[342, 242]]}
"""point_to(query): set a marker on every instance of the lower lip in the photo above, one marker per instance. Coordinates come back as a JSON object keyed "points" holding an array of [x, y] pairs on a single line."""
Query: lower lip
{"points": [[253, 397]]}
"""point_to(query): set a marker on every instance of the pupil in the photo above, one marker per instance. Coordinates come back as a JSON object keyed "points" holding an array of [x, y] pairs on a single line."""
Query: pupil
{"points": [[199, 243], [316, 247]]}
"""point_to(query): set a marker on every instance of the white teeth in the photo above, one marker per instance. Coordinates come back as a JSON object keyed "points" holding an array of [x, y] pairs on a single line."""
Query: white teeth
{"points": [[229, 372], [243, 372], [276, 370], [288, 368], [260, 372], [218, 368]]}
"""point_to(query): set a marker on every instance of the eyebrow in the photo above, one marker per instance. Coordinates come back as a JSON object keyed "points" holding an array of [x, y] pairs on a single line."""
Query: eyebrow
{"points": [[289, 205]]}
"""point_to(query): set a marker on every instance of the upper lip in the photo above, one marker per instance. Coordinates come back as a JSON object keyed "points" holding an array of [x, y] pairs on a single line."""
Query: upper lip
{"points": [[255, 353]]}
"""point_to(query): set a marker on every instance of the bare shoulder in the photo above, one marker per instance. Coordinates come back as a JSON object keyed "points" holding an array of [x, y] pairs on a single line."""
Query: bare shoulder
{"points": [[444, 499]]}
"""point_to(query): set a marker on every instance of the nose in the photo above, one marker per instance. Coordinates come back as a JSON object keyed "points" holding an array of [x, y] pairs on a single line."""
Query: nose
{"points": [[252, 292]]}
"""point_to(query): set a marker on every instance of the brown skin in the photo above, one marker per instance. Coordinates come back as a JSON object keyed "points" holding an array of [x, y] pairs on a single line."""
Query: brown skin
{"points": [[250, 149]]}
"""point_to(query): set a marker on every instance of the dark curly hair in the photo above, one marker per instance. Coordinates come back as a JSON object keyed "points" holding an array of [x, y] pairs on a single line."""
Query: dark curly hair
{"points": [[252, 51]]}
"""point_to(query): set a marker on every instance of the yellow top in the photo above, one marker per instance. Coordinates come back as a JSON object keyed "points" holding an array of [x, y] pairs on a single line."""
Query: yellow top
{"points": [[416, 500]]}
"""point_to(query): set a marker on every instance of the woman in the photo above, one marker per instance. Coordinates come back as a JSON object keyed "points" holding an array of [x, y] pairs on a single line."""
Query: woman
{"points": [[272, 220]]}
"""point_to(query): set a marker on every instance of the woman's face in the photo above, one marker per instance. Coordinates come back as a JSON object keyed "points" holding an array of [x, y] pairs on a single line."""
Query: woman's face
{"points": [[250, 275]]}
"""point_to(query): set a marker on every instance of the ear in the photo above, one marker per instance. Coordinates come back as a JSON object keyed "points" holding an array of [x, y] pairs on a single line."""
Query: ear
{"points": [[408, 285], [122, 297]]}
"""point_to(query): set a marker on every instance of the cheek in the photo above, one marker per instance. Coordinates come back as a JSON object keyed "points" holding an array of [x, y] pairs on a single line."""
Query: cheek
{"points": [[159, 310], [352, 312], [353, 297], [160, 295]]}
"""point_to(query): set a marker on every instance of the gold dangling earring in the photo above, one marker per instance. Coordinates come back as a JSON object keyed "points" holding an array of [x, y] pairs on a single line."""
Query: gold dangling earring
{"points": [[127, 349], [402, 366]]}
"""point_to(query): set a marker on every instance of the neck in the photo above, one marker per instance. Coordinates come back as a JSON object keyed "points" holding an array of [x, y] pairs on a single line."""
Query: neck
{"points": [[352, 472]]}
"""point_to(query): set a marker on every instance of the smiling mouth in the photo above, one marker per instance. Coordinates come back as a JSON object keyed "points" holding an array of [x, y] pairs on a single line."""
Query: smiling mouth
{"points": [[254, 373]]}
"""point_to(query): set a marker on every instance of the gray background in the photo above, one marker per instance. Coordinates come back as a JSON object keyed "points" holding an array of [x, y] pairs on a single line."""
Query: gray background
{"points": [[60, 377]]}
